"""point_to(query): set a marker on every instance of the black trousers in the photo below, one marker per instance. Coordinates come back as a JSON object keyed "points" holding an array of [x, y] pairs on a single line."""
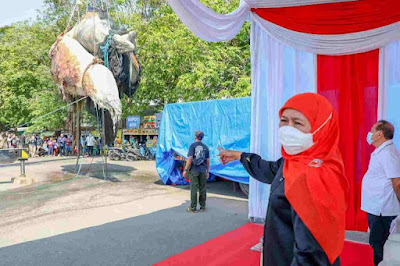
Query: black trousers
{"points": [[379, 227], [90, 150], [198, 182], [62, 150]]}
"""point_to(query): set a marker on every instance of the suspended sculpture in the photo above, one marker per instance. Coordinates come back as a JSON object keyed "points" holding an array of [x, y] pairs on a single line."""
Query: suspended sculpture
{"points": [[96, 59]]}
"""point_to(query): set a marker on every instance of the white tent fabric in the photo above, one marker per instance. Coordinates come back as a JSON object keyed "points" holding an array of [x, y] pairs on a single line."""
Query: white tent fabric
{"points": [[207, 24], [213, 27], [389, 87], [278, 72]]}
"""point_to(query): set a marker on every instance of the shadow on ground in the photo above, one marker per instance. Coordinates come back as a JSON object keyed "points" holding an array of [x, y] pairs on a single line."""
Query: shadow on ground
{"points": [[51, 159], [221, 187], [142, 240], [95, 170], [63, 182]]}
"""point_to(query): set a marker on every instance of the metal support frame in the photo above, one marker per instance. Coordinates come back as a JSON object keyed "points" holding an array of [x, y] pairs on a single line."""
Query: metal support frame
{"points": [[105, 170], [22, 167]]}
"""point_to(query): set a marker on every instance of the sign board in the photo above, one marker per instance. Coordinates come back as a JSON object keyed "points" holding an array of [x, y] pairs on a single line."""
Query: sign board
{"points": [[24, 154], [149, 143], [133, 122], [140, 131], [149, 121]]}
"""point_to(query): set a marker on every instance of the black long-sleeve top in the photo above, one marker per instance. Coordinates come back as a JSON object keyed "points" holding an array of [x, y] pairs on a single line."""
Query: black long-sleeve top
{"points": [[287, 241]]}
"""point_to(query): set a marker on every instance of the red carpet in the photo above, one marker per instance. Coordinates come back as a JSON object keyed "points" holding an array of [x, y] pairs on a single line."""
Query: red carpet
{"points": [[233, 248]]}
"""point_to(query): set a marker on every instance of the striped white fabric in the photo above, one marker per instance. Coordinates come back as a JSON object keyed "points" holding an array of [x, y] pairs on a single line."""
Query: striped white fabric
{"points": [[278, 73], [389, 87]]}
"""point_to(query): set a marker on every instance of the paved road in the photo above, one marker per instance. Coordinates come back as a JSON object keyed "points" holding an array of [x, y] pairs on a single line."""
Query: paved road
{"points": [[142, 240], [88, 221]]}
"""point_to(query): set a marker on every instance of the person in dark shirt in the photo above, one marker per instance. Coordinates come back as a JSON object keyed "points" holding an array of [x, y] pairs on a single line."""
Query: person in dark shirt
{"points": [[22, 141], [61, 144], [68, 145], [305, 223], [198, 170]]}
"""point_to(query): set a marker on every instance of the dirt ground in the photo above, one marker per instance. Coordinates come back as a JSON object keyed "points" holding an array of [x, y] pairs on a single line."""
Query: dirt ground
{"points": [[61, 201]]}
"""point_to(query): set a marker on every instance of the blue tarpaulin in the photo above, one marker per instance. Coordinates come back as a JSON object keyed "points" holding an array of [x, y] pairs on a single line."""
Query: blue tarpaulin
{"points": [[225, 123]]}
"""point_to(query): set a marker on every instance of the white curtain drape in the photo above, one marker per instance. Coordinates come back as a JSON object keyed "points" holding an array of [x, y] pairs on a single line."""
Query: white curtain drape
{"points": [[207, 24], [389, 87], [213, 27], [278, 72]]}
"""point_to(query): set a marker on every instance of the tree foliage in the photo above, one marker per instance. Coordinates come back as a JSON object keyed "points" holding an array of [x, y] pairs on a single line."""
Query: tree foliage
{"points": [[177, 66], [26, 86]]}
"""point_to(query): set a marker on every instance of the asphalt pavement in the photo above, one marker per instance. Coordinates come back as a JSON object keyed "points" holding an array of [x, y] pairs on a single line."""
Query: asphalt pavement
{"points": [[142, 240]]}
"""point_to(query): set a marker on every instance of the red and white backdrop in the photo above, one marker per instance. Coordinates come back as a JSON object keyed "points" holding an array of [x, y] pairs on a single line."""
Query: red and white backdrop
{"points": [[347, 51]]}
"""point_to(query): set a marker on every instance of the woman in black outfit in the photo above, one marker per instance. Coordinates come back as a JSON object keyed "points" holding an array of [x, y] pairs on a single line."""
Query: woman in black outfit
{"points": [[305, 223]]}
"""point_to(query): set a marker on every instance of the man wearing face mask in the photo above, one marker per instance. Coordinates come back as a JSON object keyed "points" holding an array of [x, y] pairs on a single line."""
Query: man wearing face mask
{"points": [[305, 223], [380, 196]]}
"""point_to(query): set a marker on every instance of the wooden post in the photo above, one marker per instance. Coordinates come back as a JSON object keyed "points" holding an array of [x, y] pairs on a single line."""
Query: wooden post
{"points": [[77, 132]]}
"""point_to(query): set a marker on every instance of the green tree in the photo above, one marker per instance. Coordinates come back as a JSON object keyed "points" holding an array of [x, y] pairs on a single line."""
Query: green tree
{"points": [[26, 86], [178, 66]]}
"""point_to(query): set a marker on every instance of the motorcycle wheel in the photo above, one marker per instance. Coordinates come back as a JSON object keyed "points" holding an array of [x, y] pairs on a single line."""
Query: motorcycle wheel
{"points": [[131, 157], [115, 157]]}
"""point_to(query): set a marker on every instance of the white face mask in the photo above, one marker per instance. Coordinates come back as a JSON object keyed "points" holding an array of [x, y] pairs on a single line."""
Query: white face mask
{"points": [[369, 138], [294, 141]]}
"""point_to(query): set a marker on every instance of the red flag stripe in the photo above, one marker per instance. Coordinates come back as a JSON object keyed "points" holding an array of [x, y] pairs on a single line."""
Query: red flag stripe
{"points": [[335, 18], [350, 83]]}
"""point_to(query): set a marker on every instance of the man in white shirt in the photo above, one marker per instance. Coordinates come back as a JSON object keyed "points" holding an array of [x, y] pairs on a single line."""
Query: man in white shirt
{"points": [[90, 143], [380, 196]]}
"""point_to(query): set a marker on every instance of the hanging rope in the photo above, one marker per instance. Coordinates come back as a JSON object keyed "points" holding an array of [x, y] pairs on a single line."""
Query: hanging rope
{"points": [[105, 48], [67, 27], [52, 112], [116, 13], [106, 63], [104, 164], [95, 61]]}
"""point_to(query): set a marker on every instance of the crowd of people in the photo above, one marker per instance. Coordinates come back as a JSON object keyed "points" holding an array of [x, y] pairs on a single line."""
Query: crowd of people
{"points": [[50, 145]]}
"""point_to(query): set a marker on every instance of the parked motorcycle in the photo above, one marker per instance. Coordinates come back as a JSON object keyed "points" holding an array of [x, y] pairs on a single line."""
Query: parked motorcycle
{"points": [[150, 153], [118, 154], [146, 153], [41, 152], [137, 153]]}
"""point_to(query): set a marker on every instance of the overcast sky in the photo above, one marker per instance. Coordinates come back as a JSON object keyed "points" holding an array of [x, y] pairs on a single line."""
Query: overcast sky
{"points": [[16, 10]]}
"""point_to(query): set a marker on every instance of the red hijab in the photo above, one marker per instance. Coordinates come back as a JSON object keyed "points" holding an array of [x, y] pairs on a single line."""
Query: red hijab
{"points": [[318, 191]]}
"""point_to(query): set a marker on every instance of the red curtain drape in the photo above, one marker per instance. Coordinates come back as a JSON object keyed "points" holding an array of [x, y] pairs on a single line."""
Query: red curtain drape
{"points": [[335, 18], [350, 83]]}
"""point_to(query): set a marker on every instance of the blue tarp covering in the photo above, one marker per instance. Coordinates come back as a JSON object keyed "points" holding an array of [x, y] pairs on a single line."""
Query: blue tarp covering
{"points": [[225, 123]]}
